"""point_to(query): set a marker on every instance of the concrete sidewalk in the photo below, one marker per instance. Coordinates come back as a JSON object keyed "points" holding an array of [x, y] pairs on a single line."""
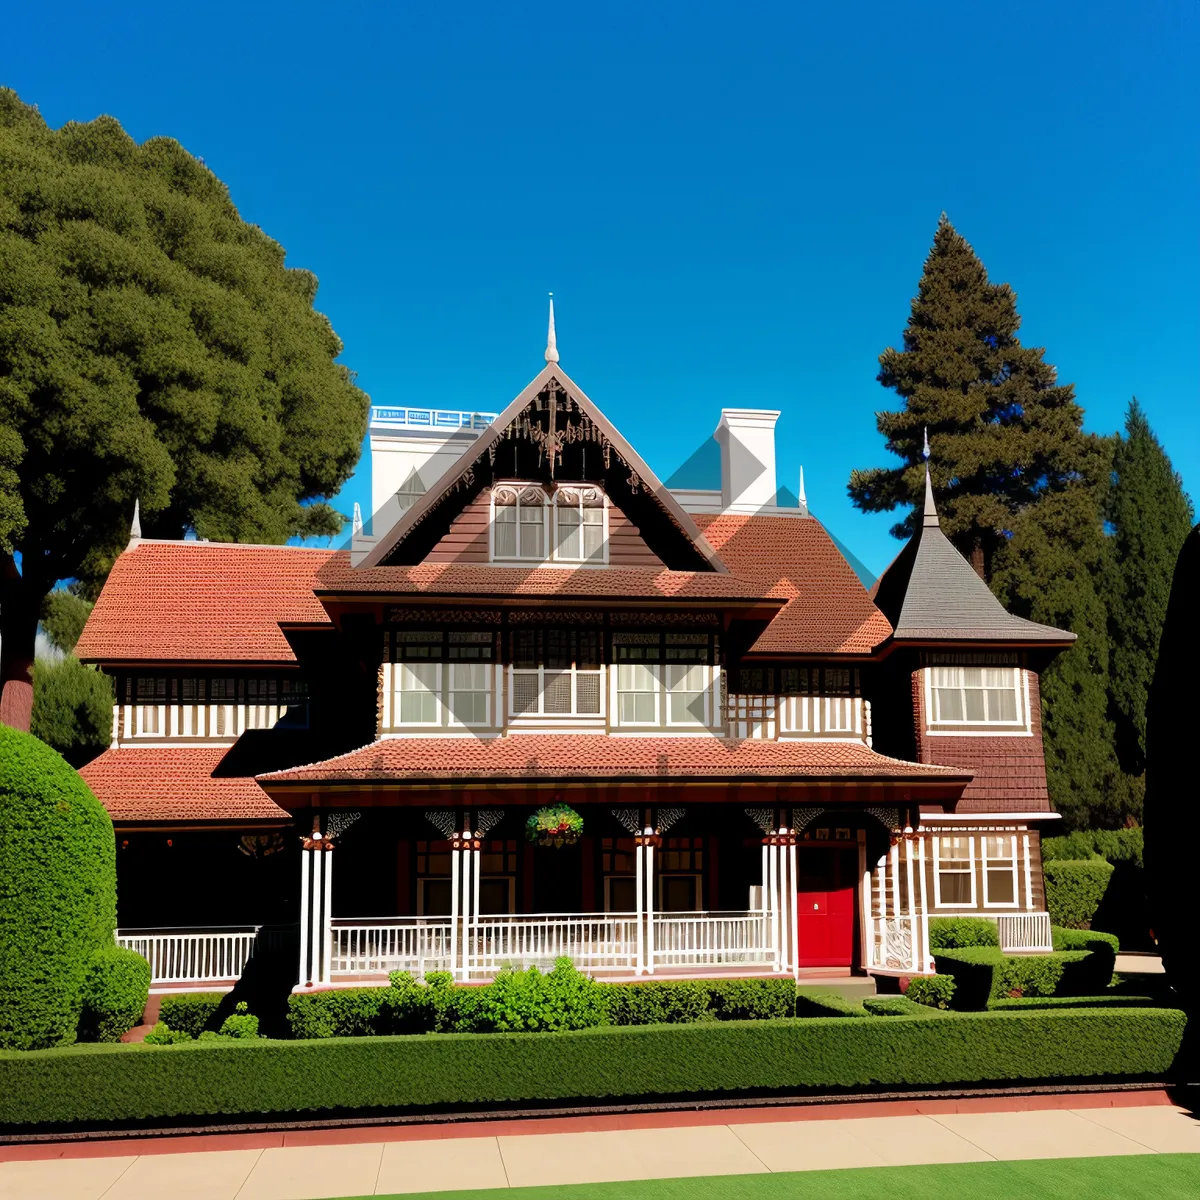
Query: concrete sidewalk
{"points": [[384, 1160]]}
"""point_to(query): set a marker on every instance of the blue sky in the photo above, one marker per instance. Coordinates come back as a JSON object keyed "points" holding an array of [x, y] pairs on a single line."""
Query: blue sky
{"points": [[731, 203]]}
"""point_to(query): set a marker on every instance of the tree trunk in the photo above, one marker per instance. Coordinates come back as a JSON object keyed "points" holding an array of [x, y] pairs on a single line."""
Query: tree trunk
{"points": [[977, 560], [20, 604]]}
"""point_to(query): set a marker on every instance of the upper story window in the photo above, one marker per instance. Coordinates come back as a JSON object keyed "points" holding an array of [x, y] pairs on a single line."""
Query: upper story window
{"points": [[555, 672], [204, 706], [441, 678], [528, 525], [665, 679], [976, 695]]}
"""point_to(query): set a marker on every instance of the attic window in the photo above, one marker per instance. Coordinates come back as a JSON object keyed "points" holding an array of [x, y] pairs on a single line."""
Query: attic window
{"points": [[518, 523], [579, 525]]}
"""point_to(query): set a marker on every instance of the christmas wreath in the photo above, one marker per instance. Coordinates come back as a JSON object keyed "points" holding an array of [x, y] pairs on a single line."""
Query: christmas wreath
{"points": [[555, 825]]}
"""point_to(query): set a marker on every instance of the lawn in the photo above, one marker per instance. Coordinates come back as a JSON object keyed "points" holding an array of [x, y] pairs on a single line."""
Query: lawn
{"points": [[1164, 1176]]}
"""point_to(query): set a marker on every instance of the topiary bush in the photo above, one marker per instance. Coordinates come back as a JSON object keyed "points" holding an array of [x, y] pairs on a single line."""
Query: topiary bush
{"points": [[58, 892], [957, 933], [241, 1023], [937, 991], [1102, 947], [1074, 889], [114, 994], [192, 1012], [982, 973], [662, 1002], [897, 1006], [751, 999]]}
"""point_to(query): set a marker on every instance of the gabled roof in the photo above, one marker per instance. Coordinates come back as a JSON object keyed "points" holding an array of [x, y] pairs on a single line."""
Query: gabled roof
{"points": [[471, 461], [932, 593], [549, 757], [793, 558], [203, 602]]}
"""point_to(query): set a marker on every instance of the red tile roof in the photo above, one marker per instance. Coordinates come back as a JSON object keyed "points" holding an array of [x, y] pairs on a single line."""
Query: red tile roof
{"points": [[203, 602], [337, 576], [168, 784], [599, 756], [828, 609]]}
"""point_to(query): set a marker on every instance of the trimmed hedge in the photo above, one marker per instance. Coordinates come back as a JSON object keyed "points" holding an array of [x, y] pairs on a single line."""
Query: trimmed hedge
{"points": [[982, 974], [1027, 1002], [114, 994], [107, 1084], [936, 991], [821, 1002], [1086, 939], [58, 897], [1074, 889], [192, 1012], [898, 1006], [957, 933]]}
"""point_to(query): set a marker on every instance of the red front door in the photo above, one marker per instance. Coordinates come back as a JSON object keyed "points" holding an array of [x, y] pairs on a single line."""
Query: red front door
{"points": [[825, 907]]}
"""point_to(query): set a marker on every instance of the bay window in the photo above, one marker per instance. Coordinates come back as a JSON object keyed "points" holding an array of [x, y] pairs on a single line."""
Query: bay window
{"points": [[976, 695]]}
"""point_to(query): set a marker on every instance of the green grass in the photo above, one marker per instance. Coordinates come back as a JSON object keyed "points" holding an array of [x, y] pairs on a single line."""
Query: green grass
{"points": [[1163, 1176]]}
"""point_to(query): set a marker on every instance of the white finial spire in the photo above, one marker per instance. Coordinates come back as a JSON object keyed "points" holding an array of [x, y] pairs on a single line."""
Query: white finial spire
{"points": [[356, 521], [803, 497], [551, 343], [135, 526], [925, 449]]}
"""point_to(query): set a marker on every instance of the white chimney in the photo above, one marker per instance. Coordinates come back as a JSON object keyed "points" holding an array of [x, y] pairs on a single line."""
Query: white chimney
{"points": [[747, 440]]}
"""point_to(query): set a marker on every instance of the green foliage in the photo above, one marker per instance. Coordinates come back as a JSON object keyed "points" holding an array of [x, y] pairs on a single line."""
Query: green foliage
{"points": [[897, 1006], [982, 973], [956, 933], [154, 345], [821, 1002], [1074, 890], [1115, 845], [530, 1002], [114, 994], [1086, 939], [72, 708], [64, 614], [663, 1002], [1150, 516], [57, 892], [989, 404], [241, 1023], [163, 1035], [1105, 1001], [136, 1082], [937, 991], [191, 1012], [751, 999]]}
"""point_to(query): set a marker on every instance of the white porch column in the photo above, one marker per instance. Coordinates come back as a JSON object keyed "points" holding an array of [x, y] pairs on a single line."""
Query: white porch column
{"points": [[794, 916], [924, 959], [639, 886], [772, 882], [316, 890], [464, 899], [455, 865], [914, 925], [326, 856], [651, 842], [644, 845]]}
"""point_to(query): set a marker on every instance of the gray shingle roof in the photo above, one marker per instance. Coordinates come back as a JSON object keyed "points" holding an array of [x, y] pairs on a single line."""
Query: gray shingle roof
{"points": [[931, 592]]}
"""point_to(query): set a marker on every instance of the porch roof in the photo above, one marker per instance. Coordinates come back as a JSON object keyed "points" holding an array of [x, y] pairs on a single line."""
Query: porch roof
{"points": [[546, 757], [169, 785]]}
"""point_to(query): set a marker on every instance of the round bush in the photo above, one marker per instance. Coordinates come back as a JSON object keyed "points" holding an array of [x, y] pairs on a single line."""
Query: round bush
{"points": [[58, 892], [1074, 890], [114, 994]]}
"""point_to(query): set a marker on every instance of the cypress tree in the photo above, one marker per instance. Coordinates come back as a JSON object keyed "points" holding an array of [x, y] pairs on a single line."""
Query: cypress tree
{"points": [[1150, 517], [1004, 431]]}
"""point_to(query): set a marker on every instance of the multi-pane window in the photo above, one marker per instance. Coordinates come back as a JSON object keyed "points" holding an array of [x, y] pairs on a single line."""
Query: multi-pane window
{"points": [[151, 692], [687, 693], [955, 871], [637, 694], [555, 672], [999, 870], [579, 524], [976, 695], [519, 523], [497, 883], [664, 678], [441, 677]]}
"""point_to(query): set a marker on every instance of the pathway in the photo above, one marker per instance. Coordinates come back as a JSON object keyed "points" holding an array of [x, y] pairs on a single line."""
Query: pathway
{"points": [[498, 1154]]}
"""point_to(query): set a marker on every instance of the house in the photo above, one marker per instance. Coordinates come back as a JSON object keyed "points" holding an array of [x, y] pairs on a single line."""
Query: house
{"points": [[741, 760]]}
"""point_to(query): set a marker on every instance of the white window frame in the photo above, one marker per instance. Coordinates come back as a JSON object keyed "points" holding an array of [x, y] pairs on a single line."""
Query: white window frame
{"points": [[705, 692], [447, 698], [581, 492], [520, 493], [608, 879], [397, 692], [656, 673], [935, 725], [988, 902], [938, 902], [143, 707], [541, 671]]}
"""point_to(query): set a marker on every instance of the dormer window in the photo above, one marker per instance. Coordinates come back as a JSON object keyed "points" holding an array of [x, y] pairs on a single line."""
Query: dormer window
{"points": [[579, 524], [519, 523], [571, 526]]}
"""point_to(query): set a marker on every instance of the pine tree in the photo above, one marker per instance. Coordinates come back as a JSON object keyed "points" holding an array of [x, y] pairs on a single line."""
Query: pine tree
{"points": [[1004, 432], [1150, 516]]}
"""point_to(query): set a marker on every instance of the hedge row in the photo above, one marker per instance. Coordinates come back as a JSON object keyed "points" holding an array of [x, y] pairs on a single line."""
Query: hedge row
{"points": [[822, 1002], [1032, 1002], [1074, 889], [1115, 845], [957, 933], [107, 1084], [982, 973]]}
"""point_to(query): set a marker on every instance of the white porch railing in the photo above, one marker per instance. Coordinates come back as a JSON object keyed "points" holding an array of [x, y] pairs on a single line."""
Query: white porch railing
{"points": [[713, 940], [416, 944], [590, 940], [892, 943], [1025, 931], [192, 955]]}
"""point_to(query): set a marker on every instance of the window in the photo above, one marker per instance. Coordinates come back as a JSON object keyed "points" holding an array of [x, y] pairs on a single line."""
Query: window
{"points": [[1000, 871], [519, 523], [687, 693], [954, 877], [430, 662], [579, 525], [151, 692], [469, 686], [555, 672], [293, 701], [976, 695], [637, 694], [262, 699], [223, 694], [497, 871]]}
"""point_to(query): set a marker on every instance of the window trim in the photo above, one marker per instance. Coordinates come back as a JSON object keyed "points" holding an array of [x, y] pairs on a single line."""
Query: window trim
{"points": [[938, 902], [518, 488], [934, 726], [1015, 902], [557, 505]]}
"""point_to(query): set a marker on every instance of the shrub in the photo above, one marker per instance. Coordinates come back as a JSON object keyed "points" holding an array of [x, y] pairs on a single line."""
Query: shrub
{"points": [[114, 994], [57, 892], [1108, 1001], [1074, 889], [241, 1023], [982, 973], [673, 1002], [1115, 845], [1097, 972], [192, 1012], [934, 990], [132, 1082], [957, 933], [163, 1035], [751, 999], [820, 1002], [897, 1006], [530, 1002]]}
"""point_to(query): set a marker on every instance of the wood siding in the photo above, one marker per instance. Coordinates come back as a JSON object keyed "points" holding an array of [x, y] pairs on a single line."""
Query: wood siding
{"points": [[626, 547]]}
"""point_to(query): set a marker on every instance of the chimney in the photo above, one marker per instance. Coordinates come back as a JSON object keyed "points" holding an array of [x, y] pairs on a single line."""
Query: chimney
{"points": [[747, 440]]}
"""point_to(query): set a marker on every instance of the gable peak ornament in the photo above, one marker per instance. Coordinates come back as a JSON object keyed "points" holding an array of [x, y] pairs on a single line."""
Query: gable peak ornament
{"points": [[551, 340]]}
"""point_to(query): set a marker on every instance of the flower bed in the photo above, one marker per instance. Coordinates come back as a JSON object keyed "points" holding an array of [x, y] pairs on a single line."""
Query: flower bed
{"points": [[106, 1084]]}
